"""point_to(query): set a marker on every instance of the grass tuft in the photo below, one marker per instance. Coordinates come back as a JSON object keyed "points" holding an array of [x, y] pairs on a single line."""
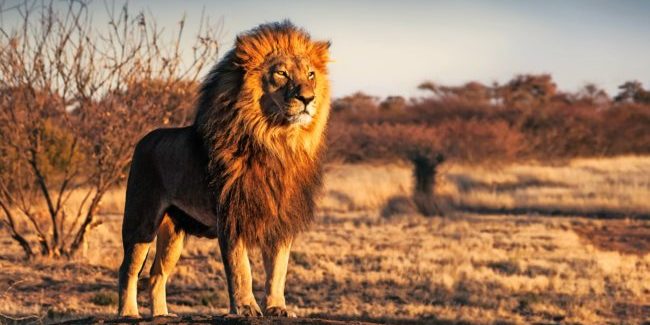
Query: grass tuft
{"points": [[105, 298]]}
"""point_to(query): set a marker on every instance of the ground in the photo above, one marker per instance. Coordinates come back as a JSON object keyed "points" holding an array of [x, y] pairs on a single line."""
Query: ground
{"points": [[366, 260]]}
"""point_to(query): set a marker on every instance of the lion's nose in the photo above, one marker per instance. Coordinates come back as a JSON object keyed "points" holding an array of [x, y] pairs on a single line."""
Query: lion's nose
{"points": [[305, 99], [303, 93]]}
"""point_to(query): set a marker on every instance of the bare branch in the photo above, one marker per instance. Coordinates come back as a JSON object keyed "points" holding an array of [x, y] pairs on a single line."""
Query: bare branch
{"points": [[74, 103]]}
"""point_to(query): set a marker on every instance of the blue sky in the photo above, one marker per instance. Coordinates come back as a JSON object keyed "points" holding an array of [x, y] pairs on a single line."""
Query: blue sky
{"points": [[389, 47]]}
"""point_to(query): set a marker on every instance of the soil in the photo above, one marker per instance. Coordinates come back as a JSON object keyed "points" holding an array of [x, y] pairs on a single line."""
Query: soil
{"points": [[225, 320]]}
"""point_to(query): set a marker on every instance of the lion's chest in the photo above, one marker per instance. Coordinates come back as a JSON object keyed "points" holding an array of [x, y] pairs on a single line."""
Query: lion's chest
{"points": [[264, 197], [270, 187]]}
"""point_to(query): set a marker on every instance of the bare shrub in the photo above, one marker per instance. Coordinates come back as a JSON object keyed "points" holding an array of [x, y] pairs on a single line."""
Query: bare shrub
{"points": [[73, 102]]}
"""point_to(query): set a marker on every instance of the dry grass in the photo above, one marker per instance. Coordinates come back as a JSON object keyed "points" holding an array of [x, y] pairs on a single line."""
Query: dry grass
{"points": [[615, 186], [356, 264], [363, 187]]}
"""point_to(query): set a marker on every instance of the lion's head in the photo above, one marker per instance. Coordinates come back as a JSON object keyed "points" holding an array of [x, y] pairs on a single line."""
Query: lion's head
{"points": [[273, 85]]}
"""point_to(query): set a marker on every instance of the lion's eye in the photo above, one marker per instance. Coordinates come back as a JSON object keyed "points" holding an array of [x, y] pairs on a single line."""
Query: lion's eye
{"points": [[282, 73], [311, 75]]}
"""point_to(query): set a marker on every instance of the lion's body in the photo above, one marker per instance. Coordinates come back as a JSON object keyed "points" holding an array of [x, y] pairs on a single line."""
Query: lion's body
{"points": [[246, 171], [166, 164]]}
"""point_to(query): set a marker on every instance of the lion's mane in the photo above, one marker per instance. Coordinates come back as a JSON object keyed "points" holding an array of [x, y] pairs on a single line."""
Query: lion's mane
{"points": [[264, 176]]}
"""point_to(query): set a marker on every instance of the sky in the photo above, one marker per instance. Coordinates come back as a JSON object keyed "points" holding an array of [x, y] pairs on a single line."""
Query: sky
{"points": [[389, 47]]}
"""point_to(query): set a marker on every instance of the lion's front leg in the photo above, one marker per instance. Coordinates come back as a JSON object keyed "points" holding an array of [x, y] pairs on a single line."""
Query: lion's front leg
{"points": [[276, 261], [238, 274]]}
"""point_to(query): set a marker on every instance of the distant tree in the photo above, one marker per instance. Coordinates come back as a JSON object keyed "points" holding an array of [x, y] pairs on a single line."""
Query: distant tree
{"points": [[633, 92], [495, 94], [356, 103], [471, 92], [592, 94], [457, 140], [433, 87], [393, 103], [426, 147], [528, 91], [475, 92]]}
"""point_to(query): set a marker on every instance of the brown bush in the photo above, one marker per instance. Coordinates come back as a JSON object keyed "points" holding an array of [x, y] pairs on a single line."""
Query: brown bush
{"points": [[534, 119], [73, 102], [527, 118]]}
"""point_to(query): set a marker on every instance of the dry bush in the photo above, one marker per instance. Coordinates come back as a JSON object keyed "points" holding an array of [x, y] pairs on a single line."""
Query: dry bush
{"points": [[73, 102], [526, 118], [552, 124]]}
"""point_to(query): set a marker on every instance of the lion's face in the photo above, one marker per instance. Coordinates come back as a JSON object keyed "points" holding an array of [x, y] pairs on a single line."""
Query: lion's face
{"points": [[289, 86], [274, 88]]}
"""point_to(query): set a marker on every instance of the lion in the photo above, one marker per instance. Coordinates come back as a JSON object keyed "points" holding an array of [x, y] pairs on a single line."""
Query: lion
{"points": [[246, 171]]}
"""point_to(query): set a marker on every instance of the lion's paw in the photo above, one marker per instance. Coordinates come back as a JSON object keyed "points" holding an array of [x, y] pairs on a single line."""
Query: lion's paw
{"points": [[278, 311], [252, 310]]}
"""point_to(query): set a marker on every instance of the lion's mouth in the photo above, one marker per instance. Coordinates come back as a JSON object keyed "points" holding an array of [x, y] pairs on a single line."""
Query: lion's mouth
{"points": [[301, 118]]}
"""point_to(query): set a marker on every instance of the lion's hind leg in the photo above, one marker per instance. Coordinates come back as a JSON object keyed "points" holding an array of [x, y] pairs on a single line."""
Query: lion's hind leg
{"points": [[134, 256], [142, 216], [169, 245]]}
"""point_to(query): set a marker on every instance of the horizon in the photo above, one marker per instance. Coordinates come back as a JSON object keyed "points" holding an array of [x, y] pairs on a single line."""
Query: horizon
{"points": [[385, 50]]}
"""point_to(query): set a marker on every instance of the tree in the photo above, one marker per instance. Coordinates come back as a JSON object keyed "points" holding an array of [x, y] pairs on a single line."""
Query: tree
{"points": [[526, 91], [633, 92], [426, 147], [357, 103], [472, 92], [590, 93], [73, 102], [393, 103]]}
